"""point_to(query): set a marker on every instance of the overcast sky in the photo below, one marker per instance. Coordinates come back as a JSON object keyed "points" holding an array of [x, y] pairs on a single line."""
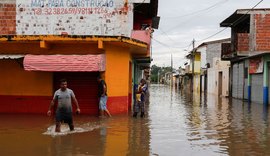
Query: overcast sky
{"points": [[183, 20]]}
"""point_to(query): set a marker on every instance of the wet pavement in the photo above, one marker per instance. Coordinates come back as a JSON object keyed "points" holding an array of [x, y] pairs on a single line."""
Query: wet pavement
{"points": [[175, 124]]}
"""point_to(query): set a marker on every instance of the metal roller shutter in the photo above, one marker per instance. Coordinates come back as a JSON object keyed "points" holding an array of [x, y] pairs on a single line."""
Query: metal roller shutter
{"points": [[235, 81], [85, 87], [257, 88], [240, 89]]}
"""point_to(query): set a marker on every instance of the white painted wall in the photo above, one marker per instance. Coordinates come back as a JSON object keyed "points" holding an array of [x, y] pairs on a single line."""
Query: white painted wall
{"points": [[211, 81], [213, 77], [80, 17], [196, 87], [203, 77]]}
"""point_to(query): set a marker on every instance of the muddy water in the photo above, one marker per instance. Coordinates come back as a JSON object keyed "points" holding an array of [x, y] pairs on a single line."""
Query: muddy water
{"points": [[176, 124]]}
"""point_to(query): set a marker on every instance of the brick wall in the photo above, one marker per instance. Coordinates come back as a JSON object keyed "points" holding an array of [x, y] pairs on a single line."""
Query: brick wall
{"points": [[242, 42], [262, 32], [7, 17]]}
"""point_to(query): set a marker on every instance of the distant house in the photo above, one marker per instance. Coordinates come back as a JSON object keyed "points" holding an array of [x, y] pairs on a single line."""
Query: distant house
{"points": [[194, 72], [214, 71], [249, 53]]}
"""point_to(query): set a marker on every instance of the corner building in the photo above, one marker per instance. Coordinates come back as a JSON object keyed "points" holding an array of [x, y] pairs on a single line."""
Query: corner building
{"points": [[41, 44]]}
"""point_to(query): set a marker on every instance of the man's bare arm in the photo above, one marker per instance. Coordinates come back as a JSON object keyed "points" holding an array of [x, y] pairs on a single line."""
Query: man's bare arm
{"points": [[104, 90], [77, 104], [50, 107]]}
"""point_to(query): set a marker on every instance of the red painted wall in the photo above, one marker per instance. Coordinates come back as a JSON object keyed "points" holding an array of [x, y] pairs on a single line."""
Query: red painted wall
{"points": [[118, 105], [24, 104]]}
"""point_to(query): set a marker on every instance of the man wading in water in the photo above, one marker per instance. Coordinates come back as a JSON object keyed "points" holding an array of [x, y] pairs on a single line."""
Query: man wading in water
{"points": [[64, 96]]}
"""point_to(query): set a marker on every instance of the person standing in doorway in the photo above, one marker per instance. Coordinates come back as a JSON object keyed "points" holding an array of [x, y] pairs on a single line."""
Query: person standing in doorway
{"points": [[102, 94], [65, 97], [140, 99]]}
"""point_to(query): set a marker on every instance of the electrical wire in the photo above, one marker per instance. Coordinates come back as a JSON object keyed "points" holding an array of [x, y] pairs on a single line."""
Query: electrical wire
{"points": [[232, 23], [194, 13], [171, 47], [220, 31], [199, 11], [188, 46]]}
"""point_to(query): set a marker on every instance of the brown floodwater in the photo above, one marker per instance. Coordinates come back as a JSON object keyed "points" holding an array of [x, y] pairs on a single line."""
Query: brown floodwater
{"points": [[176, 123]]}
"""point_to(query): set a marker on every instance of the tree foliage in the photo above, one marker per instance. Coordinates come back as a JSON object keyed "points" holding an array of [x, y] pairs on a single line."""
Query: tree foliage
{"points": [[161, 70]]}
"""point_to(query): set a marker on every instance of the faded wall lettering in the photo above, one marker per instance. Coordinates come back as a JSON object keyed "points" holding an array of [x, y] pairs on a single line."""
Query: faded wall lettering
{"points": [[74, 17]]}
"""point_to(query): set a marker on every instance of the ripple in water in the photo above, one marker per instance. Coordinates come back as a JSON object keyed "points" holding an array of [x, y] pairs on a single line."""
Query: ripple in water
{"points": [[66, 131]]}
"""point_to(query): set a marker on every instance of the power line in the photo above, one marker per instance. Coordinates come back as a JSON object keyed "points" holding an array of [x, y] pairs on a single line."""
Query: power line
{"points": [[208, 8], [194, 13], [166, 35], [199, 11], [168, 46], [223, 28], [213, 35], [232, 23]]}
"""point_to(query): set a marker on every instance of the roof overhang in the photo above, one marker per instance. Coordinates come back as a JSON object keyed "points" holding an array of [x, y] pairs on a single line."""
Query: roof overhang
{"points": [[234, 19], [69, 38], [242, 14], [144, 63], [136, 47]]}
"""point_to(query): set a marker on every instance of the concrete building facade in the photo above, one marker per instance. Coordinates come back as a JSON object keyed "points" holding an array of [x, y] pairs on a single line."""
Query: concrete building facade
{"points": [[249, 54], [42, 43]]}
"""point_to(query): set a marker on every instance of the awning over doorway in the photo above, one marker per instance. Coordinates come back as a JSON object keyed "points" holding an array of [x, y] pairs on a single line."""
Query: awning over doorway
{"points": [[65, 63]]}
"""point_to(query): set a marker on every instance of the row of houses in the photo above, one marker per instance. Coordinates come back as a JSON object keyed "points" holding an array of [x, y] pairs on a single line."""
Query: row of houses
{"points": [[40, 44], [235, 67]]}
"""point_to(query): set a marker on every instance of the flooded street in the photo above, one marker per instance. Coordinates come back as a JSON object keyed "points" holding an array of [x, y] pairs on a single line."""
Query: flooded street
{"points": [[175, 124]]}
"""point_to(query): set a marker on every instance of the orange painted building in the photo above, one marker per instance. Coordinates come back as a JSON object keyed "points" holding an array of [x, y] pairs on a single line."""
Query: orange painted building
{"points": [[32, 62]]}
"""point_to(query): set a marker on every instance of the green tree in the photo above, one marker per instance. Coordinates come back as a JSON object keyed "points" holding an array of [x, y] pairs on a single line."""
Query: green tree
{"points": [[161, 70]]}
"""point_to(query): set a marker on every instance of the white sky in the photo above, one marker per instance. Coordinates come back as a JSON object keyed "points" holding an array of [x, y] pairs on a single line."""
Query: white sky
{"points": [[183, 20]]}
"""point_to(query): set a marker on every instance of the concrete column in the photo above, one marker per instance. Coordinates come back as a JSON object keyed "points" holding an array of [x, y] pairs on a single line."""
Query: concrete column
{"points": [[265, 83], [249, 86]]}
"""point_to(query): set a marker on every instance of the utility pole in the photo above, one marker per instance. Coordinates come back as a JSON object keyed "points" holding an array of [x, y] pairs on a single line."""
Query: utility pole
{"points": [[193, 60], [171, 70]]}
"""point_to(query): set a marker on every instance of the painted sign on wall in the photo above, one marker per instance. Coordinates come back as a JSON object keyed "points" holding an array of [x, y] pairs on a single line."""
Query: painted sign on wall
{"points": [[256, 65], [74, 17]]}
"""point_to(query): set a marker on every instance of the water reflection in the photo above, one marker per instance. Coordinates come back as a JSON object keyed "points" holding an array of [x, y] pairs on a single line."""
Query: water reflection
{"points": [[212, 126], [176, 123]]}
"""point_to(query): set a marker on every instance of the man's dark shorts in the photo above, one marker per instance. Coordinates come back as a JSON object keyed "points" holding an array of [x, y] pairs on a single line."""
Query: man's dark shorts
{"points": [[64, 116]]}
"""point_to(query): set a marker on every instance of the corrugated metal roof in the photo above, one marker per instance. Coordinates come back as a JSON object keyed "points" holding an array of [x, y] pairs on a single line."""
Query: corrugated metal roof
{"points": [[69, 63], [11, 56]]}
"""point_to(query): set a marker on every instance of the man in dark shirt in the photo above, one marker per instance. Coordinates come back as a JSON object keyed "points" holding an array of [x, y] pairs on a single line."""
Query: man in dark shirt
{"points": [[102, 94]]}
